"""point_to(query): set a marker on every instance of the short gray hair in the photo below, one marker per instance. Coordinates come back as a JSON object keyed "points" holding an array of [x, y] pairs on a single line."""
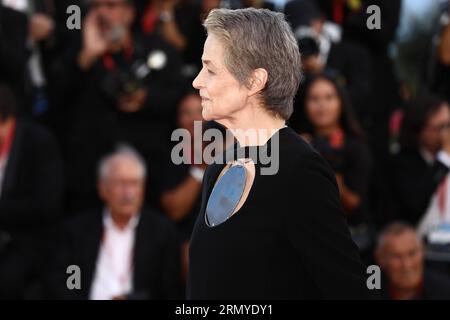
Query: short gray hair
{"points": [[395, 228], [260, 38], [122, 151]]}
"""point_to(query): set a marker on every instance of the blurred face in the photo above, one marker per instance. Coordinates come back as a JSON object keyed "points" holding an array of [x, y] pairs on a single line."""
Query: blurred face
{"points": [[323, 106], [402, 260], [317, 25], [113, 15], [190, 110], [431, 136], [123, 188], [208, 5], [312, 64], [222, 95]]}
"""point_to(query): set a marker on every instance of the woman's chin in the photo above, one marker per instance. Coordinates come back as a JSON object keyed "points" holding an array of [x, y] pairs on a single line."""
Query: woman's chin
{"points": [[207, 116]]}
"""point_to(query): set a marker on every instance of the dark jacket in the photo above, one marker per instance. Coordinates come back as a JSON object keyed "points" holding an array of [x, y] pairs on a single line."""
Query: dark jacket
{"points": [[413, 183], [32, 187], [30, 205]]}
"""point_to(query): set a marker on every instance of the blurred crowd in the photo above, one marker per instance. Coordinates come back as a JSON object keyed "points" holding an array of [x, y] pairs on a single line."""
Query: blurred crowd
{"points": [[86, 117]]}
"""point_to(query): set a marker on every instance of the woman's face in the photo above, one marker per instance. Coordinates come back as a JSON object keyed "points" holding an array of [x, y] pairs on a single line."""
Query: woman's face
{"points": [[323, 106], [222, 95]]}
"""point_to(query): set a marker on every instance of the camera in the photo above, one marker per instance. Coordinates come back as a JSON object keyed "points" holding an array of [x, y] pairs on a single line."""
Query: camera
{"points": [[128, 80]]}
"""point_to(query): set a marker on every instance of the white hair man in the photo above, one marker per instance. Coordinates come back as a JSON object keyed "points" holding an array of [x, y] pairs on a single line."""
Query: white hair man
{"points": [[125, 251]]}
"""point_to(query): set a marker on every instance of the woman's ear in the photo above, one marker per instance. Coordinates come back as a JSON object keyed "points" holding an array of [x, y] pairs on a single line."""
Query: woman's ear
{"points": [[258, 81]]}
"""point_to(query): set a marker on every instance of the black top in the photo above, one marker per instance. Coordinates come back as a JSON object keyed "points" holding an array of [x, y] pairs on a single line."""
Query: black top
{"points": [[288, 241]]}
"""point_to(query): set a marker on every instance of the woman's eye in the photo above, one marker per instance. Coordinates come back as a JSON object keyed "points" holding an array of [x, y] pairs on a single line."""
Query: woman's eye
{"points": [[210, 72]]}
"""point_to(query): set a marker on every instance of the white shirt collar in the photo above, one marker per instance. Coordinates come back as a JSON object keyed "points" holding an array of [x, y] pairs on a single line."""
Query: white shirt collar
{"points": [[109, 223]]}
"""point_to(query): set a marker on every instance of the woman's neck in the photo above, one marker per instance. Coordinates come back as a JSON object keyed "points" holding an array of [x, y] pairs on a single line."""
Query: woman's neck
{"points": [[253, 126]]}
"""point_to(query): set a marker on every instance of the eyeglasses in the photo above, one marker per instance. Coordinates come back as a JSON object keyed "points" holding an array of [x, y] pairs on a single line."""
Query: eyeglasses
{"points": [[226, 195]]}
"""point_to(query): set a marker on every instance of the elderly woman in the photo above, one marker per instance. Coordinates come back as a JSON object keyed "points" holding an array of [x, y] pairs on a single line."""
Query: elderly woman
{"points": [[265, 234]]}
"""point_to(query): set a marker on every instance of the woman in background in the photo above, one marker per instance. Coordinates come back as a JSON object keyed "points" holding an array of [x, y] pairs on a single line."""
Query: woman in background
{"points": [[333, 130]]}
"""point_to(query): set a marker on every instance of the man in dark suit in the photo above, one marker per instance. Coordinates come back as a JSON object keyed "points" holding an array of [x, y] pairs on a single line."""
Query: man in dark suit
{"points": [[419, 170], [30, 198], [123, 251], [400, 254]]}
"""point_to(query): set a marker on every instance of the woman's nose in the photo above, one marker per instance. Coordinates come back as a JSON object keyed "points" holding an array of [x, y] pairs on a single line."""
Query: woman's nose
{"points": [[198, 81]]}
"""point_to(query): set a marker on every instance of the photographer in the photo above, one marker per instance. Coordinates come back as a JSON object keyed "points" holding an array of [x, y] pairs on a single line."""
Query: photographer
{"points": [[331, 128], [122, 88]]}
